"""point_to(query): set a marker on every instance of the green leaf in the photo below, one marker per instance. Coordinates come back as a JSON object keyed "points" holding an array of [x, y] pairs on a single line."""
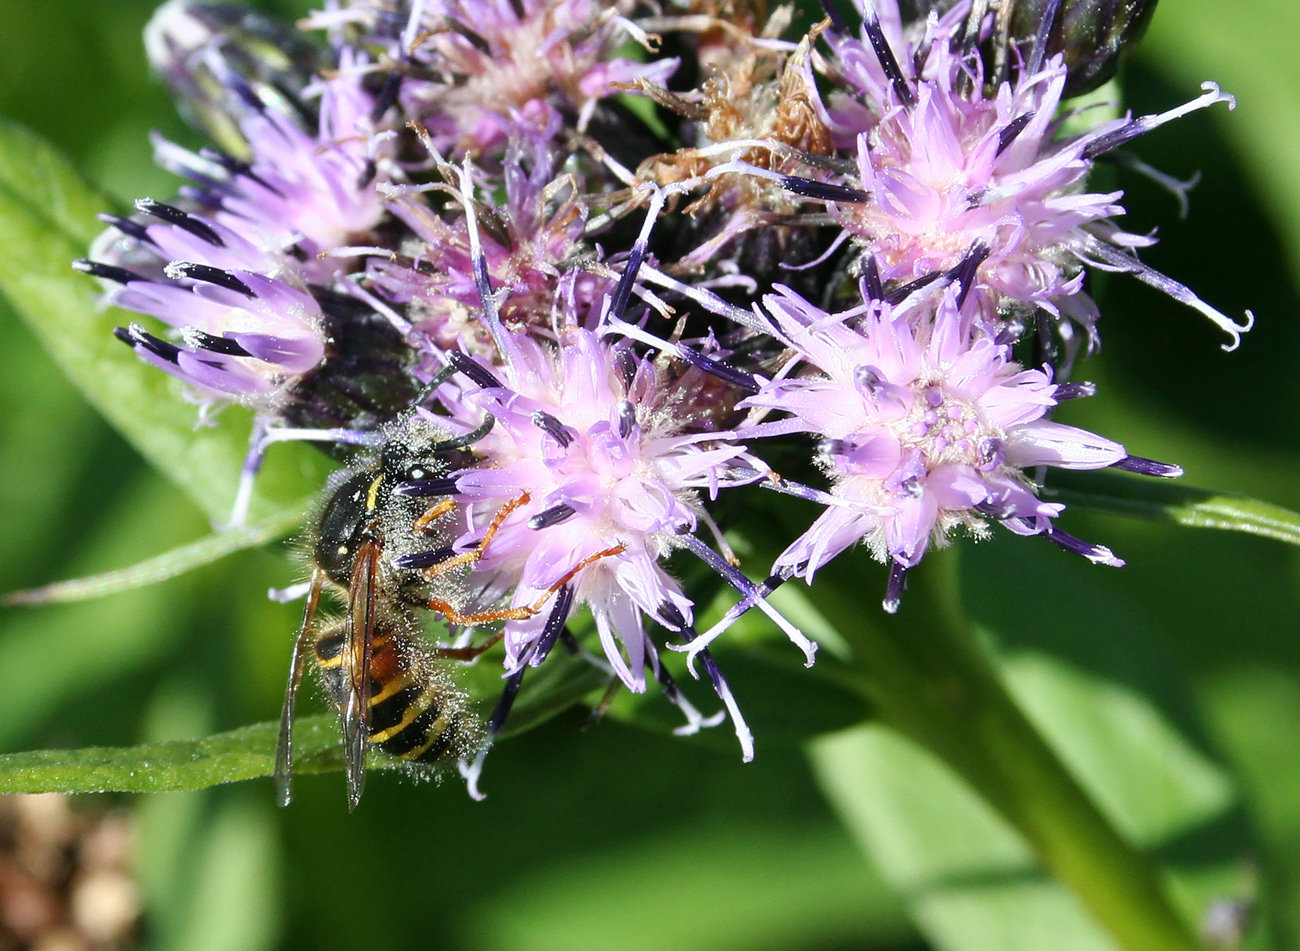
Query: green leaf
{"points": [[47, 219], [1180, 504], [160, 568], [245, 753], [1108, 704]]}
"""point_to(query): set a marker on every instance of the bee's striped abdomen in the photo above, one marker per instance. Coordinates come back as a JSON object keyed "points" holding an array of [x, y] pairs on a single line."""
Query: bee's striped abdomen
{"points": [[416, 712]]}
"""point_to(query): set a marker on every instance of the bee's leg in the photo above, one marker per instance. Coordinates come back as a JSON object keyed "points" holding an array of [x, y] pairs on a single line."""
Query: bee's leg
{"points": [[475, 553], [435, 512], [525, 611], [284, 744]]}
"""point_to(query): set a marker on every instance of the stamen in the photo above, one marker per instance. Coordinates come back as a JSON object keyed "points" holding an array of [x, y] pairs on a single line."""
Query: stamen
{"points": [[423, 559], [553, 428], [1012, 130], [426, 488], [467, 365], [895, 586], [552, 516], [183, 220], [180, 270], [723, 690], [824, 191], [1097, 554], [1038, 52], [137, 336], [873, 289], [108, 272], [964, 273], [1140, 126], [128, 227], [748, 591], [206, 341], [1074, 391], [626, 419], [1179, 292], [623, 292], [838, 23], [1148, 467], [888, 62]]}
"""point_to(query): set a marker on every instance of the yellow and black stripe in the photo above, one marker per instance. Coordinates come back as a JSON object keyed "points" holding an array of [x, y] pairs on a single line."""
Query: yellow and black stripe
{"points": [[415, 711]]}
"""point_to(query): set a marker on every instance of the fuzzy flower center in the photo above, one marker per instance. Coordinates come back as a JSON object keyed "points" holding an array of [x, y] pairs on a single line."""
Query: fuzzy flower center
{"points": [[946, 429]]}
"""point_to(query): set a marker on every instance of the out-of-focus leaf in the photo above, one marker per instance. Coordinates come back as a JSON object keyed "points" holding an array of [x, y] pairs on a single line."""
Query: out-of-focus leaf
{"points": [[235, 901], [1171, 502], [162, 567], [973, 882], [1256, 711], [47, 219], [724, 890]]}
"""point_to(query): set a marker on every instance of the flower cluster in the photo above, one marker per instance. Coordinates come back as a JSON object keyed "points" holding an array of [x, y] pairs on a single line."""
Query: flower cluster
{"points": [[472, 214]]}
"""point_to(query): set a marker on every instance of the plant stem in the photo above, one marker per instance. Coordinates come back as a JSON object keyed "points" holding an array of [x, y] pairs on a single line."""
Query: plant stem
{"points": [[928, 677]]}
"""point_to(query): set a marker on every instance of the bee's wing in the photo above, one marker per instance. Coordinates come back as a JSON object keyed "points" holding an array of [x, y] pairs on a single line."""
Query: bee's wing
{"points": [[356, 667], [284, 745]]}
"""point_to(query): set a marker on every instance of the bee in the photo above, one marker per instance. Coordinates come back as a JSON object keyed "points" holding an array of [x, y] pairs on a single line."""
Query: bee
{"points": [[385, 549]]}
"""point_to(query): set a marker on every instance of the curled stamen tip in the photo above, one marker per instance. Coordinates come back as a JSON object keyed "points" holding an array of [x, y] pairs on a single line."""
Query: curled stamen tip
{"points": [[891, 606], [470, 772], [1236, 330], [1216, 94]]}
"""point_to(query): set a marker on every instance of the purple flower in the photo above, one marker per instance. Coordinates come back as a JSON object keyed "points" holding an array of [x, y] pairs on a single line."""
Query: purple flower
{"points": [[246, 334], [946, 172], [511, 64], [925, 426], [532, 246], [604, 463], [301, 192]]}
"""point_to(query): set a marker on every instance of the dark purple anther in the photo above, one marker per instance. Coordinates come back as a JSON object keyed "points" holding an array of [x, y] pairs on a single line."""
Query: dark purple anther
{"points": [[1149, 467], [137, 336], [467, 365], [737, 378], [426, 488], [895, 586], [108, 272], [824, 191], [222, 345], [888, 62], [128, 227], [1013, 129], [964, 273], [180, 219], [1074, 391], [553, 428], [178, 270], [552, 516], [423, 559], [626, 419]]}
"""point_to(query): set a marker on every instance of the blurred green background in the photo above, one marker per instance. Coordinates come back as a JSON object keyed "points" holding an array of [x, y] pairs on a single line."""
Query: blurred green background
{"points": [[614, 837]]}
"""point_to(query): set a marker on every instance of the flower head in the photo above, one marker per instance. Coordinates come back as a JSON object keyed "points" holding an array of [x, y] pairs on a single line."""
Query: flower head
{"points": [[502, 65], [925, 425], [532, 247], [246, 332], [603, 463], [947, 167]]}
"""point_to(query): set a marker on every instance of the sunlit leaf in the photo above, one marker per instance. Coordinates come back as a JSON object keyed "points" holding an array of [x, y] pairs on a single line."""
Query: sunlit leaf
{"points": [[1173, 502], [1107, 702], [160, 568]]}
